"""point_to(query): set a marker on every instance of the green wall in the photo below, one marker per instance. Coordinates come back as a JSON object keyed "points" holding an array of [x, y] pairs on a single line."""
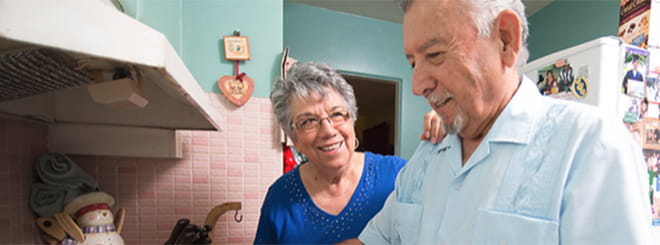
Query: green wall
{"points": [[358, 45], [566, 23], [196, 28]]}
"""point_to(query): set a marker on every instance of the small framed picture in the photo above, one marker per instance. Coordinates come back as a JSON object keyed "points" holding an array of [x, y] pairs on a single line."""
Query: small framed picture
{"points": [[651, 133], [237, 48]]}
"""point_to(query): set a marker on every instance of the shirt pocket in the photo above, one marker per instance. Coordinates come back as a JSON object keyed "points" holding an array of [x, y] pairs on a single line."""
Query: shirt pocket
{"points": [[405, 223], [494, 227]]}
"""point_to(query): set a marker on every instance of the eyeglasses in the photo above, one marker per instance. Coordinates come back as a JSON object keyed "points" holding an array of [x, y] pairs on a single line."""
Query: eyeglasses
{"points": [[312, 124]]}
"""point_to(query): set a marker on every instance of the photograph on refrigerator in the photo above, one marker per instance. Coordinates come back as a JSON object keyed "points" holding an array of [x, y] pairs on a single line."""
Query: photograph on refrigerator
{"points": [[633, 118], [652, 158], [652, 86], [635, 129], [652, 133], [637, 108], [556, 80], [635, 69]]}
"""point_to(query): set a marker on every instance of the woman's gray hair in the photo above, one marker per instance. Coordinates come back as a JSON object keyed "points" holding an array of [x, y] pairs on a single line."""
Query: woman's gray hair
{"points": [[301, 80], [483, 14]]}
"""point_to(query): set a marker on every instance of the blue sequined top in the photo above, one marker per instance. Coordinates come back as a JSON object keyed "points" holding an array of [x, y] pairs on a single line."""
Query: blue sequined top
{"points": [[289, 216]]}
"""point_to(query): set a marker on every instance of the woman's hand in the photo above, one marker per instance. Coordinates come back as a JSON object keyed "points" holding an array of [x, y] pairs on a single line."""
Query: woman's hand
{"points": [[433, 130]]}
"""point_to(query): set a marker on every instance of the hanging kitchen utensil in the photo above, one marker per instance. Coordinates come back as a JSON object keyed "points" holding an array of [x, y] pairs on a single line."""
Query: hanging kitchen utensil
{"points": [[186, 233], [176, 231], [217, 211], [238, 88]]}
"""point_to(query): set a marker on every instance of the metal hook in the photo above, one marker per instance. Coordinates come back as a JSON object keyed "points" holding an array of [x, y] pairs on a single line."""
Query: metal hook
{"points": [[236, 218]]}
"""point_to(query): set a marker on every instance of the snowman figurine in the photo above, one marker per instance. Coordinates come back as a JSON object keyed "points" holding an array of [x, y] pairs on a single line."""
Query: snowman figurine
{"points": [[96, 221]]}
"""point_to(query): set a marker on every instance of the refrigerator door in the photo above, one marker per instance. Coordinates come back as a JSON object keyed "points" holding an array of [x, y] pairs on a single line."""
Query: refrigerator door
{"points": [[614, 77], [595, 67]]}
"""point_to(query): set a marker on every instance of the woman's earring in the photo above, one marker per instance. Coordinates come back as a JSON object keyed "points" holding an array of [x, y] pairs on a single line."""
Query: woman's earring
{"points": [[357, 142], [301, 158]]}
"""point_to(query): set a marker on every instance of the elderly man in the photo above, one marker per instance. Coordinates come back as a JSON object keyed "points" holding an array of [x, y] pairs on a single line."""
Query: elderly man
{"points": [[516, 167]]}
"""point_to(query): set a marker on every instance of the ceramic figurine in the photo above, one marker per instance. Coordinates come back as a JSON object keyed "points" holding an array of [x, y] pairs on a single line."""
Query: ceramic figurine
{"points": [[95, 219]]}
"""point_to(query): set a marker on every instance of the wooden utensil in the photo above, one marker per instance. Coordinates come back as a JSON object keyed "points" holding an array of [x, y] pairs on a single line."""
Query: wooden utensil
{"points": [[119, 220], [50, 240], [51, 227], [70, 227]]}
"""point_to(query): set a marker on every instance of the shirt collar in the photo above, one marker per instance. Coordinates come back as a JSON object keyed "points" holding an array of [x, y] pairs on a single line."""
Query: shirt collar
{"points": [[514, 124]]}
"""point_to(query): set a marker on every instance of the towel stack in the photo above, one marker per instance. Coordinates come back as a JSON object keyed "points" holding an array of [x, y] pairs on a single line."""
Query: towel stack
{"points": [[62, 181]]}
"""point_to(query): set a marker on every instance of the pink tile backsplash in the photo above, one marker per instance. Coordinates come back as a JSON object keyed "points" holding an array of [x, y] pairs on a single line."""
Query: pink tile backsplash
{"points": [[20, 143], [237, 164]]}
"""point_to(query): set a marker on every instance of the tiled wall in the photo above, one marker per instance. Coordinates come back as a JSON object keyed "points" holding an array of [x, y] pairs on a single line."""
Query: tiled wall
{"points": [[237, 164], [20, 143]]}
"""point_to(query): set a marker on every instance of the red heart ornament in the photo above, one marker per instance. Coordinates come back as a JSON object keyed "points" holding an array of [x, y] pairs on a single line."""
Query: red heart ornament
{"points": [[237, 91]]}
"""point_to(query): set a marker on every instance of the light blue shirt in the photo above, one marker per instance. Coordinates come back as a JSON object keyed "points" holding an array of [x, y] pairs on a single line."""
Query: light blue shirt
{"points": [[548, 172]]}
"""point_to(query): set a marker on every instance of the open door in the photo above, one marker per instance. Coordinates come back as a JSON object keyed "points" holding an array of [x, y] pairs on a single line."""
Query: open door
{"points": [[377, 125]]}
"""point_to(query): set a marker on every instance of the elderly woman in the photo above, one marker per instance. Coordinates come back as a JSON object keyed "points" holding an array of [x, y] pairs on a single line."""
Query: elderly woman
{"points": [[331, 197]]}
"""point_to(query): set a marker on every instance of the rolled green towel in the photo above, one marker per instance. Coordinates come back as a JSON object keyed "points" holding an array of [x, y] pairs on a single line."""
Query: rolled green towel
{"points": [[59, 170], [61, 181], [46, 200]]}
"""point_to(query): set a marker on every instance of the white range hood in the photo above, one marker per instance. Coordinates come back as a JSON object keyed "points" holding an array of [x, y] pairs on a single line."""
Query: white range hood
{"points": [[53, 52]]}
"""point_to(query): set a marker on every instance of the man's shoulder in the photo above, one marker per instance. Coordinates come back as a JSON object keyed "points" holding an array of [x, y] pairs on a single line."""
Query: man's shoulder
{"points": [[425, 150], [579, 120], [426, 147]]}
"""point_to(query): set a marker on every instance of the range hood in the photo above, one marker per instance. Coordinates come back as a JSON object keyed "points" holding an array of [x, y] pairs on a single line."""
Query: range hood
{"points": [[51, 52], [54, 52]]}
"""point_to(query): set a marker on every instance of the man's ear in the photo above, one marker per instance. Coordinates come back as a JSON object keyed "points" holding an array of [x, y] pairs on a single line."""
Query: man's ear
{"points": [[507, 26]]}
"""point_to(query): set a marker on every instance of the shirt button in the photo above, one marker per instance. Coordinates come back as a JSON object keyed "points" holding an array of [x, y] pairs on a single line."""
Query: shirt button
{"points": [[457, 186]]}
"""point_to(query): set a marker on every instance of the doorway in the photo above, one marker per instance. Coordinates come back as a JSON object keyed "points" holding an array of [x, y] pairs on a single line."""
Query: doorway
{"points": [[377, 101]]}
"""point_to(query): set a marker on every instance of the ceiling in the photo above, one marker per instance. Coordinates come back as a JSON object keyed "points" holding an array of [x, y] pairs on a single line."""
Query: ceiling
{"points": [[387, 9]]}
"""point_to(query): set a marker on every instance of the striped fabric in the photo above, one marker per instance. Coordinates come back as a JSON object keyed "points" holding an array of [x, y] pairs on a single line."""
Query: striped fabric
{"points": [[99, 228]]}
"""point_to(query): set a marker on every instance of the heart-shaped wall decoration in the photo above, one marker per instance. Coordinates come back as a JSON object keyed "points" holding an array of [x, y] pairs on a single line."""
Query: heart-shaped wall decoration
{"points": [[237, 91]]}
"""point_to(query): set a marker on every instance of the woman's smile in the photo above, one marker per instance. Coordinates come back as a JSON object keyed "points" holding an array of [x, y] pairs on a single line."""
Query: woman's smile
{"points": [[332, 148]]}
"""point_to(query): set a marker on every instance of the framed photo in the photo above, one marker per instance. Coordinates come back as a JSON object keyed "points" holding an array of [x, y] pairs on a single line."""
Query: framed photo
{"points": [[651, 133], [236, 48]]}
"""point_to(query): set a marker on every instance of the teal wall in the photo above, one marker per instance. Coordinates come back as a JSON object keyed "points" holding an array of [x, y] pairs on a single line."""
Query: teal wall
{"points": [[566, 23], [368, 46], [196, 28], [350, 43], [361, 45]]}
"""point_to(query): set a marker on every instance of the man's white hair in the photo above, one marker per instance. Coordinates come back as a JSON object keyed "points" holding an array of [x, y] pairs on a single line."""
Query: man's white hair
{"points": [[484, 12]]}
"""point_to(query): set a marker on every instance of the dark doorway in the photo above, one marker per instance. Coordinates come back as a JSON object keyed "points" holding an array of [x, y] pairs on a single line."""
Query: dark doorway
{"points": [[377, 123]]}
